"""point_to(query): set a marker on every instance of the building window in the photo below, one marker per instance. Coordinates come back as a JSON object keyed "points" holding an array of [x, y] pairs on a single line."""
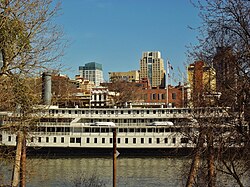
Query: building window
{"points": [[103, 140], [9, 138], [39, 139], [87, 140], [110, 140], [173, 96], [54, 139], [119, 140], [162, 96], [1, 138], [47, 139], [62, 139], [95, 140], [32, 139]]}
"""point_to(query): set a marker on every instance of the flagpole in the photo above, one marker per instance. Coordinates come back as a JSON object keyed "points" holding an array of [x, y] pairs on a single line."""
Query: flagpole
{"points": [[167, 82]]}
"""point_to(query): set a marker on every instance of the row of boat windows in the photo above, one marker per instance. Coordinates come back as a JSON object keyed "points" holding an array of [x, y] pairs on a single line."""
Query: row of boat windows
{"points": [[159, 111], [168, 111], [108, 130], [107, 140]]}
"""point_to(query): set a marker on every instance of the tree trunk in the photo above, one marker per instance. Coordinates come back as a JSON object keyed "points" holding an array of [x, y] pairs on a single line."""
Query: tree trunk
{"points": [[16, 170], [23, 163], [196, 161], [210, 160]]}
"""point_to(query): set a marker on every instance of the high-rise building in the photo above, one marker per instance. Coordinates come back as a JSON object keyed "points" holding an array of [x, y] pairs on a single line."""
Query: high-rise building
{"points": [[152, 68], [93, 72]]}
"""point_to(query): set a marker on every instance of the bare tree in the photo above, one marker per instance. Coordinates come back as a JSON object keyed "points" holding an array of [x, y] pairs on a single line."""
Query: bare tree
{"points": [[30, 43], [224, 43], [124, 91]]}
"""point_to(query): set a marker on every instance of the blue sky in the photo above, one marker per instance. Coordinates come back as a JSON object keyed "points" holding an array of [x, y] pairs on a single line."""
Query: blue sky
{"points": [[115, 33]]}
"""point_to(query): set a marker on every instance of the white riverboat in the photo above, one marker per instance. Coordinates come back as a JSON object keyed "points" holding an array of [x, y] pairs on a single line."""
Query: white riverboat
{"points": [[84, 131]]}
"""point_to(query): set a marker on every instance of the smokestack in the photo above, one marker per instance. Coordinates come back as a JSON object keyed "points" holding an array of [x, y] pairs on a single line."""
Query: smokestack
{"points": [[46, 88]]}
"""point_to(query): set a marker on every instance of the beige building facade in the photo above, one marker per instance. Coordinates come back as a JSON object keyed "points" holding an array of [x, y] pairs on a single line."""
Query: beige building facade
{"points": [[130, 76]]}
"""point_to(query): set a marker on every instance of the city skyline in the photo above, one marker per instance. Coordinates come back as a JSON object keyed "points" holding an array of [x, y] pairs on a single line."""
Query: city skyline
{"points": [[116, 33]]}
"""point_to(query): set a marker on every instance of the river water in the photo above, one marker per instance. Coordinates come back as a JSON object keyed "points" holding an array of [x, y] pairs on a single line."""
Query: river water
{"points": [[131, 172]]}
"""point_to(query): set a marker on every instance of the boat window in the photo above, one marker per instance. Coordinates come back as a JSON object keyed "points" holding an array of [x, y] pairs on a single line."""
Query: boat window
{"points": [[50, 129], [104, 130], [47, 139], [184, 140], [166, 140], [150, 130], [142, 140], [59, 129], [149, 140], [62, 139], [78, 140], [103, 140], [72, 140], [95, 129], [134, 140], [126, 140], [131, 130], [174, 140], [167, 129], [178, 129], [157, 140], [66, 129]]}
